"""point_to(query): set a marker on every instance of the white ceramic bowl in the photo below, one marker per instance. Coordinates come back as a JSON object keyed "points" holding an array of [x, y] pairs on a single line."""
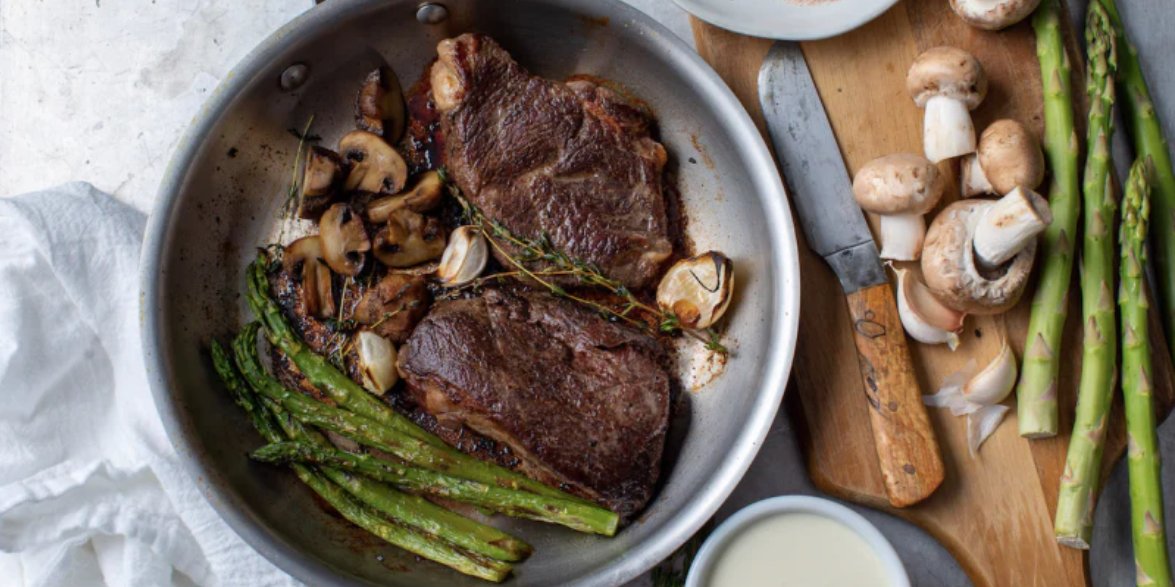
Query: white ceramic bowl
{"points": [[704, 563], [790, 20]]}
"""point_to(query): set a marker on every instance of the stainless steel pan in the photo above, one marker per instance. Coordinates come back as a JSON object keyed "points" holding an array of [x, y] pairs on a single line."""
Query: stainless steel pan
{"points": [[220, 200]]}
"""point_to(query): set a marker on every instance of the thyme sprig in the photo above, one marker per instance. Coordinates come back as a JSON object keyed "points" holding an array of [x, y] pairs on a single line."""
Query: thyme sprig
{"points": [[294, 191], [541, 249]]}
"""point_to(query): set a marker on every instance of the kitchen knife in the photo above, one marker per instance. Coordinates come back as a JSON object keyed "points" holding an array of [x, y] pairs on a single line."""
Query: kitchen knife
{"points": [[835, 227]]}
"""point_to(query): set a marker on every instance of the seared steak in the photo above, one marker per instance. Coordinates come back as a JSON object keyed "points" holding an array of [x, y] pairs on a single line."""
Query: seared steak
{"points": [[572, 160], [583, 403]]}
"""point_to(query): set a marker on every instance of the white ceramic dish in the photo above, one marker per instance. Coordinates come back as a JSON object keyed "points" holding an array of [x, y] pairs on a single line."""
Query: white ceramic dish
{"points": [[704, 563], [789, 20]]}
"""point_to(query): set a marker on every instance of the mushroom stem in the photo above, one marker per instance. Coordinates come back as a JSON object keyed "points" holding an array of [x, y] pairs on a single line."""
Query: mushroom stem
{"points": [[901, 236], [974, 180], [947, 130], [1009, 224]]}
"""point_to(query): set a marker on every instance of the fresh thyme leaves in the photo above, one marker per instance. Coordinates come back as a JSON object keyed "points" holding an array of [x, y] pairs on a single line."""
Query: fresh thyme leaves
{"points": [[294, 193], [542, 250]]}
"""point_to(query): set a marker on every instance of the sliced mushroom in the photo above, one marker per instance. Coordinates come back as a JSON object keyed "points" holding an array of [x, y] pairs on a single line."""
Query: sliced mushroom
{"points": [[1009, 156], [423, 196], [375, 165], [344, 240], [697, 290], [316, 286], [409, 239], [949, 83], [394, 306], [952, 268], [901, 188], [464, 258], [321, 179], [379, 106], [993, 15], [377, 361]]}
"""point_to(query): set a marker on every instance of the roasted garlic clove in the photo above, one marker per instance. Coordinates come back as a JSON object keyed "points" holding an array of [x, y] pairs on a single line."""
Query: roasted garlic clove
{"points": [[409, 239], [316, 286], [464, 258], [423, 196], [697, 290], [377, 361], [344, 240], [376, 166]]}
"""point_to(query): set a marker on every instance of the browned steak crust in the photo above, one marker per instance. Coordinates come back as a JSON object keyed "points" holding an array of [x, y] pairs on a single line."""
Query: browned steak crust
{"points": [[581, 402], [572, 160]]}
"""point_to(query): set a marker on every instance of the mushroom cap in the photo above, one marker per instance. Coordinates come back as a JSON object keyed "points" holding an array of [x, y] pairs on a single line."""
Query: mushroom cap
{"points": [[898, 184], [993, 15], [950, 271], [1010, 157], [947, 71]]}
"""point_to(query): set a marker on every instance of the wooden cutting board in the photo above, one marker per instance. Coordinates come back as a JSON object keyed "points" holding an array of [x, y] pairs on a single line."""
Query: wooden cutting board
{"points": [[994, 512]]}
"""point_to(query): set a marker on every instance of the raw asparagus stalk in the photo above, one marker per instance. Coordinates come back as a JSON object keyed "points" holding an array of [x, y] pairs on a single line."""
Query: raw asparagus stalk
{"points": [[1146, 490], [352, 397], [1037, 391], [560, 508], [1079, 482], [411, 510], [354, 511], [1149, 142]]}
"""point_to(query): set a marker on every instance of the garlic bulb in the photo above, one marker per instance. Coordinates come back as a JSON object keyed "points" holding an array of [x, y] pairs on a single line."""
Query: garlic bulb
{"points": [[697, 290], [924, 318], [377, 361], [464, 258], [978, 395]]}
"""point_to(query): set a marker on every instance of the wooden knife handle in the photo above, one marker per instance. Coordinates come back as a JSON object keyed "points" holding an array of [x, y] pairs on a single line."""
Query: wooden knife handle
{"points": [[911, 463]]}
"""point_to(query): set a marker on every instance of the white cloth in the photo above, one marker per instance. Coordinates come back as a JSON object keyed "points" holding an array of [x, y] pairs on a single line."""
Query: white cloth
{"points": [[91, 491]]}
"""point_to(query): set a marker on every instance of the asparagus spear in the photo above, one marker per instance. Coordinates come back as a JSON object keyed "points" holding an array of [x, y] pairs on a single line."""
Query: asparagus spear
{"points": [[513, 503], [351, 509], [1037, 392], [411, 510], [1149, 142], [1146, 490], [446, 465], [352, 397], [1074, 521]]}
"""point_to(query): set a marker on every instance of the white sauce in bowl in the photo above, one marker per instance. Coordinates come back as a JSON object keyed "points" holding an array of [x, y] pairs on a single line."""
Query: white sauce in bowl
{"points": [[797, 549]]}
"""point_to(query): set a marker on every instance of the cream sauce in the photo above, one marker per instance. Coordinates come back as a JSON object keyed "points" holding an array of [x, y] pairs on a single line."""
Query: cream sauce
{"points": [[798, 550]]}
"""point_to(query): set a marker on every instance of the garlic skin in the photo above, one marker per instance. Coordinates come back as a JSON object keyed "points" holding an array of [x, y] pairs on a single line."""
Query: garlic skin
{"points": [[377, 362], [924, 318], [698, 290], [978, 395], [464, 258]]}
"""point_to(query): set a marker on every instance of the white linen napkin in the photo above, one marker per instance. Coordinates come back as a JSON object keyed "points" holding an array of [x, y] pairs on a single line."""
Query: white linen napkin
{"points": [[91, 491]]}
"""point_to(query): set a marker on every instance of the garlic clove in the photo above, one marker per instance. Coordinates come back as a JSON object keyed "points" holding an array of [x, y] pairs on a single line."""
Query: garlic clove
{"points": [[991, 385], [950, 394], [698, 290], [926, 319], [982, 423], [464, 258], [377, 361]]}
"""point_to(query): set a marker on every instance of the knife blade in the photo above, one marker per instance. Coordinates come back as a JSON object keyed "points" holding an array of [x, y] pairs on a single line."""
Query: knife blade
{"points": [[836, 230]]}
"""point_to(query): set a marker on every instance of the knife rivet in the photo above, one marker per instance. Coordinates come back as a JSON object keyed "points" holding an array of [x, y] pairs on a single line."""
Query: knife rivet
{"points": [[893, 406], [908, 468], [432, 13]]}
